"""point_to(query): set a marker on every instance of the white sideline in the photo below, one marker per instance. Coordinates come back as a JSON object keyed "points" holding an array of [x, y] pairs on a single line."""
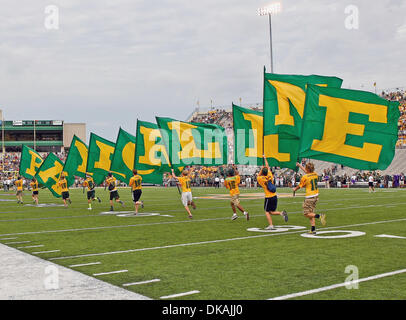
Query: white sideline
{"points": [[179, 294], [334, 286], [218, 241], [18, 284]]}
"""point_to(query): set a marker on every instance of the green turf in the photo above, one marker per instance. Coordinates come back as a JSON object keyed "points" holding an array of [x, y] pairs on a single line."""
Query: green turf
{"points": [[188, 255]]}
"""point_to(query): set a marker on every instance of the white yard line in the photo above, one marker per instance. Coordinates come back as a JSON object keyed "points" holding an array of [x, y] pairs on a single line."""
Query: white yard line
{"points": [[49, 251], [389, 236], [339, 285], [111, 272], [179, 294], [8, 239], [176, 222], [140, 282], [218, 241], [84, 264], [180, 210]]}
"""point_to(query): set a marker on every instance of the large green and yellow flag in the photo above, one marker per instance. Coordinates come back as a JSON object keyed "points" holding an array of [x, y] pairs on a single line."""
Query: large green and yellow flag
{"points": [[284, 104], [248, 136], [30, 162], [193, 143], [151, 157], [75, 164], [49, 172], [355, 128], [122, 163], [99, 157]]}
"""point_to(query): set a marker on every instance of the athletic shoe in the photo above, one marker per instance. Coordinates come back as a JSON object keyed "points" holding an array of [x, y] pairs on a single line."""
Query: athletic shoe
{"points": [[190, 217], [323, 219], [122, 203], [70, 201], [234, 216], [98, 199], [270, 228], [285, 215], [111, 209], [247, 215], [142, 204], [312, 232], [89, 208]]}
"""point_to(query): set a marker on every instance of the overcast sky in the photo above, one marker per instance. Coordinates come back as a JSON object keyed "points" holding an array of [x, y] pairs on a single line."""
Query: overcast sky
{"points": [[113, 61]]}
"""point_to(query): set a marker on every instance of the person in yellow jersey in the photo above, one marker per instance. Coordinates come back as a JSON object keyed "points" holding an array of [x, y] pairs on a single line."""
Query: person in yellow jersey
{"points": [[271, 199], [309, 181], [63, 184], [91, 192], [136, 190], [187, 198], [34, 188], [231, 183], [111, 184], [19, 183]]}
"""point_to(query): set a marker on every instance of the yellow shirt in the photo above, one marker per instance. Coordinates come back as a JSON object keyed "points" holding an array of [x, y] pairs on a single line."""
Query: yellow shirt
{"points": [[310, 182], [232, 183], [185, 184], [135, 182], [19, 184], [34, 185], [63, 184], [89, 183], [263, 182], [111, 182]]}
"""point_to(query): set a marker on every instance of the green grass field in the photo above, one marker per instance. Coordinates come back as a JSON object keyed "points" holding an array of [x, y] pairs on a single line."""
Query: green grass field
{"points": [[211, 254]]}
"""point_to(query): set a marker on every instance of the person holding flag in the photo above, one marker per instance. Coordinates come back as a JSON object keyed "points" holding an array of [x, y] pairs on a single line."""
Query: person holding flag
{"points": [[34, 188], [309, 181], [187, 198], [271, 199], [19, 183], [63, 184], [91, 192], [111, 184], [231, 183], [135, 184]]}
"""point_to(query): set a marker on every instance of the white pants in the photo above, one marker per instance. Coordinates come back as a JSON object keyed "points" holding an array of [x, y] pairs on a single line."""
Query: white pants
{"points": [[186, 198]]}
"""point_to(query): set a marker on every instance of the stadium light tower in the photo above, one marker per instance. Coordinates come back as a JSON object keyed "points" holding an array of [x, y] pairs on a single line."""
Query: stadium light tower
{"points": [[271, 9]]}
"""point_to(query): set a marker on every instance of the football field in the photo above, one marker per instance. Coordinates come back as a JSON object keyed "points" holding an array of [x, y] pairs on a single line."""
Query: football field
{"points": [[162, 254]]}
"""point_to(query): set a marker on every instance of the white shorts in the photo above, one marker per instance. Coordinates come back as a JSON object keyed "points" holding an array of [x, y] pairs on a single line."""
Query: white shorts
{"points": [[186, 198]]}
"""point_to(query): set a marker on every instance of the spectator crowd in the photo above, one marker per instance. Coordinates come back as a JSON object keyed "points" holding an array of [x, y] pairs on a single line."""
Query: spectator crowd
{"points": [[400, 96]]}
